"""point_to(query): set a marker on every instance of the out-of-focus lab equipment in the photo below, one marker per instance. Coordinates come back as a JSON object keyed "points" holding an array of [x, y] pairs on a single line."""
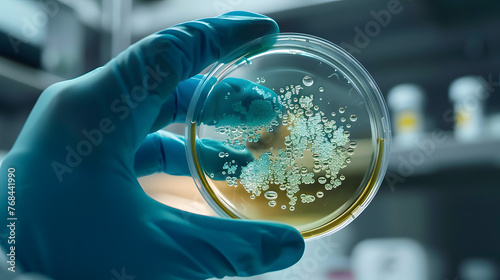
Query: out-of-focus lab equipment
{"points": [[468, 95], [390, 259], [407, 103]]}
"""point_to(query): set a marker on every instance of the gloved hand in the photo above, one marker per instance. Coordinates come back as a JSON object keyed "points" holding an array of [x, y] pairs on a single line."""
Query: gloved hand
{"points": [[81, 211]]}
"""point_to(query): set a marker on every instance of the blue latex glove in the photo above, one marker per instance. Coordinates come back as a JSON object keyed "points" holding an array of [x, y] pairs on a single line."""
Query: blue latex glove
{"points": [[81, 211]]}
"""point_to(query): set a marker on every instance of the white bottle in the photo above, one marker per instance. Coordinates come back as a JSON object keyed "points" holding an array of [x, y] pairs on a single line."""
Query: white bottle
{"points": [[390, 259], [406, 102], [468, 95]]}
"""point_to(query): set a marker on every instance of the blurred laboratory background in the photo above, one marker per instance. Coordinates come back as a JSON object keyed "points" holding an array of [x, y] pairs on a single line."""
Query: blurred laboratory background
{"points": [[437, 62]]}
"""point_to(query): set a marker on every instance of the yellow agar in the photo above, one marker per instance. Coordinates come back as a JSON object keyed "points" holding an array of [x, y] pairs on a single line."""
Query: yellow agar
{"points": [[350, 212]]}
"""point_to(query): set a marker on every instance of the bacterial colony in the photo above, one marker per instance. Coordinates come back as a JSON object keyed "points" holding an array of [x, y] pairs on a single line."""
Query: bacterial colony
{"points": [[314, 136]]}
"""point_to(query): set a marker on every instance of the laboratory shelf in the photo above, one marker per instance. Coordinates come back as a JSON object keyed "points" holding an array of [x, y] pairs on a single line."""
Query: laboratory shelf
{"points": [[24, 75], [432, 155]]}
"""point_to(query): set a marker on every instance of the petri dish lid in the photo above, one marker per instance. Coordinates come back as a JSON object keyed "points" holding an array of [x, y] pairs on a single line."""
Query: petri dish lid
{"points": [[289, 128]]}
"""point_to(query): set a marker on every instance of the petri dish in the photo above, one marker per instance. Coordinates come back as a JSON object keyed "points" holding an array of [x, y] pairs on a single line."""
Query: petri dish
{"points": [[289, 128]]}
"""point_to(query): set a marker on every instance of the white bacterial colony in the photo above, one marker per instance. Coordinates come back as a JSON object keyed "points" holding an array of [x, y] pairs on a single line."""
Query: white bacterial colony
{"points": [[260, 114], [313, 137]]}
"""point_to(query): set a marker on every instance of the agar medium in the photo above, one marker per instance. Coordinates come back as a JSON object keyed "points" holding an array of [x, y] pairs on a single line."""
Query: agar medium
{"points": [[295, 132]]}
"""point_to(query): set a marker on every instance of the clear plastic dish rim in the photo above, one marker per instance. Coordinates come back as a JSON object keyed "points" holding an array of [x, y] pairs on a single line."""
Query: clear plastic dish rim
{"points": [[298, 44]]}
